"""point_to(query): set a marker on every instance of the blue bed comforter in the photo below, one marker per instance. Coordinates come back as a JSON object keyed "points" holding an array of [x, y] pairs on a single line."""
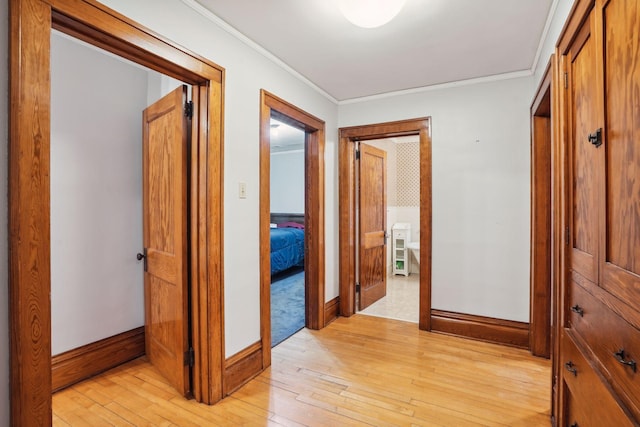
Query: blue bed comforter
{"points": [[287, 248]]}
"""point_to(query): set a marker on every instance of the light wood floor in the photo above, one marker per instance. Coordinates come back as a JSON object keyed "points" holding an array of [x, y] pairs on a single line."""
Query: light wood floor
{"points": [[358, 371]]}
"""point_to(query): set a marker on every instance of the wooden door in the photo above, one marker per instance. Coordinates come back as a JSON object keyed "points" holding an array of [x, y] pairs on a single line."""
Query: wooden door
{"points": [[373, 222], [165, 138], [620, 218], [584, 157]]}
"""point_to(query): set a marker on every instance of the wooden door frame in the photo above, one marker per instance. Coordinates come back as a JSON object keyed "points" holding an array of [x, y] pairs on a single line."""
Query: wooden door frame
{"points": [[31, 22], [347, 207], [314, 257], [540, 277]]}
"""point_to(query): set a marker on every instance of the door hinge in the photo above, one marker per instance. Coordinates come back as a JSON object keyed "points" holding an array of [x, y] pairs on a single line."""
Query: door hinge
{"points": [[566, 80], [189, 357], [357, 154], [357, 287], [386, 236], [566, 235], [188, 109]]}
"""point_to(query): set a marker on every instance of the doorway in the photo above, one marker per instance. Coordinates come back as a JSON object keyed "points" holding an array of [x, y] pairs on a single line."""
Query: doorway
{"points": [[402, 227], [274, 108], [29, 241], [287, 233], [349, 241], [540, 323], [96, 174]]}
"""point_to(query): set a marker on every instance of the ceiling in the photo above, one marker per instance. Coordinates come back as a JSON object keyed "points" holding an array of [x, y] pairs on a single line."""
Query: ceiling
{"points": [[429, 42]]}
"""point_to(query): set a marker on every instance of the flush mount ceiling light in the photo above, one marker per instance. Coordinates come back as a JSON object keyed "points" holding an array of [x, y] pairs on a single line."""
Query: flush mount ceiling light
{"points": [[370, 13]]}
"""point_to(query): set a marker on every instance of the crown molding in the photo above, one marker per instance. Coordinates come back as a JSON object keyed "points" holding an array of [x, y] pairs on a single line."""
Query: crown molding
{"points": [[197, 7], [545, 34], [448, 85]]}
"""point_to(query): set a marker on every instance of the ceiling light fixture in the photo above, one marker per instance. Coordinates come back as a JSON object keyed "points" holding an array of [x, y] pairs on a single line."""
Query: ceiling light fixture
{"points": [[370, 13], [274, 130]]}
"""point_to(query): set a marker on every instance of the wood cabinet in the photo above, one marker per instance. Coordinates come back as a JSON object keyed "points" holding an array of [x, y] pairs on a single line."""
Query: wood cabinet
{"points": [[599, 175]]}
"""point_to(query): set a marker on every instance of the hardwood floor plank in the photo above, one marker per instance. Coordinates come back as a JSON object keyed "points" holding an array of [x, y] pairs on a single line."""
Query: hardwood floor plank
{"points": [[358, 371]]}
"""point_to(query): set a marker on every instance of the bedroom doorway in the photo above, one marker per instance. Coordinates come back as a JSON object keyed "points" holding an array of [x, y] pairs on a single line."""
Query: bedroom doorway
{"points": [[276, 113], [287, 218], [349, 138]]}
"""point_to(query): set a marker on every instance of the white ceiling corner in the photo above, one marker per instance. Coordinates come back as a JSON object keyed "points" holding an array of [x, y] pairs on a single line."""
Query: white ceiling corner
{"points": [[431, 43]]}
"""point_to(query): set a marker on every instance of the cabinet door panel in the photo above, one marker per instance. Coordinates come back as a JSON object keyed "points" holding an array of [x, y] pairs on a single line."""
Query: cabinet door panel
{"points": [[621, 227], [583, 155]]}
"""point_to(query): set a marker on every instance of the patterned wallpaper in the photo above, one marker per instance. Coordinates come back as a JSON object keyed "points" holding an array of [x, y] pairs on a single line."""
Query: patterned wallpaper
{"points": [[408, 169]]}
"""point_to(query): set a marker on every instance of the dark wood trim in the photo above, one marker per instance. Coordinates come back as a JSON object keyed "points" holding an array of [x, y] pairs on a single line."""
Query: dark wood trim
{"points": [[29, 234], [347, 207], [540, 264], [488, 329], [92, 359], [242, 367], [272, 106], [331, 310], [557, 225]]}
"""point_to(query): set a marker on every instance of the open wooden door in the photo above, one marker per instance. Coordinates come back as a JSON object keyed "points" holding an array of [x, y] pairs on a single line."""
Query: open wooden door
{"points": [[165, 138], [373, 223]]}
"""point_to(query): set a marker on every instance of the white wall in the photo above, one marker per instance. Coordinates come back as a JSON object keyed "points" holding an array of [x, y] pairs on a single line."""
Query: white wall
{"points": [[246, 73], [96, 195], [4, 273], [561, 12], [287, 181], [480, 191]]}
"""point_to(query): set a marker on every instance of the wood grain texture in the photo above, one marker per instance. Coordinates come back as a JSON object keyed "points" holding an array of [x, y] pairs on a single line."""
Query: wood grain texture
{"points": [[586, 387], [211, 204], [29, 283], [347, 207], [426, 230], [272, 106], [558, 221], [541, 206], [164, 190], [583, 171], [331, 310], [372, 208], [29, 211], [242, 367], [347, 225], [598, 301], [621, 218], [92, 359], [604, 334], [488, 329], [124, 37], [390, 373]]}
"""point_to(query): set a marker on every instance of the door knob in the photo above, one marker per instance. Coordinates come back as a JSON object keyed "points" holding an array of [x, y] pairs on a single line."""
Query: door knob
{"points": [[143, 256]]}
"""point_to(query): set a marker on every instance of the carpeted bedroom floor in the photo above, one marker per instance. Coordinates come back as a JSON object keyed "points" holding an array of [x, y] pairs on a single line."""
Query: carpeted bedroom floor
{"points": [[287, 305]]}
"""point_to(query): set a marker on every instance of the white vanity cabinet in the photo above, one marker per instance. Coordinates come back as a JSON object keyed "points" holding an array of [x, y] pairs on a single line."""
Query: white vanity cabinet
{"points": [[401, 235]]}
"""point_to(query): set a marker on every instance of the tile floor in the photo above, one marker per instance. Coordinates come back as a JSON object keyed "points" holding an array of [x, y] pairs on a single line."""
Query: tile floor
{"points": [[402, 299]]}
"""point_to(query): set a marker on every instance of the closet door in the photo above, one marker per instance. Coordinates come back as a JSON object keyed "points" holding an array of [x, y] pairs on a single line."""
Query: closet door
{"points": [[620, 223], [583, 156]]}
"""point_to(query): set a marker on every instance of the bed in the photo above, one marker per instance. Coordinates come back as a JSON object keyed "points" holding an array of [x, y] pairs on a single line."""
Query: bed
{"points": [[287, 242]]}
